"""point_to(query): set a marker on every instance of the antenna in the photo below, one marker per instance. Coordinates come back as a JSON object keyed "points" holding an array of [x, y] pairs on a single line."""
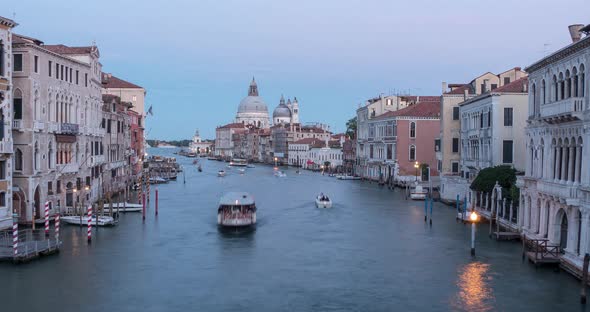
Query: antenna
{"points": [[545, 46]]}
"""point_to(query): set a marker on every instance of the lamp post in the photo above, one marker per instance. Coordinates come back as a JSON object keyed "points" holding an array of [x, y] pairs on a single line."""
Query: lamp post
{"points": [[473, 219], [276, 159], [417, 165]]}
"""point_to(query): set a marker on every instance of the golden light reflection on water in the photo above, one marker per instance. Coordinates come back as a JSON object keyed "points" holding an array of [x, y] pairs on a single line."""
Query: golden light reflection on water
{"points": [[474, 291]]}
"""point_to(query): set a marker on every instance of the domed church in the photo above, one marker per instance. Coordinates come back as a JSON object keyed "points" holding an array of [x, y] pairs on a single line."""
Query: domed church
{"points": [[252, 109], [286, 113]]}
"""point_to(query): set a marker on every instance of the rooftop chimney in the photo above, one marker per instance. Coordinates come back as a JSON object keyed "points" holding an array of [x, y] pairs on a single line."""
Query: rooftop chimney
{"points": [[465, 94], [575, 32], [444, 87], [486, 86], [525, 87]]}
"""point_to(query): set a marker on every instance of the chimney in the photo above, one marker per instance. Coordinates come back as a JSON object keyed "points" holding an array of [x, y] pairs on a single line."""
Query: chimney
{"points": [[444, 86], [465, 94], [486, 86], [525, 87], [575, 32], [417, 99]]}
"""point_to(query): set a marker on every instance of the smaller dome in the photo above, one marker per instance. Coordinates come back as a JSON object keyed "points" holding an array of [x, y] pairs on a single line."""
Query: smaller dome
{"points": [[281, 111]]}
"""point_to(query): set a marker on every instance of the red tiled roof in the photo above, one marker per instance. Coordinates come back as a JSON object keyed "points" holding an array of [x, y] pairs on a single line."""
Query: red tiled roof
{"points": [[420, 109], [111, 82], [24, 39], [517, 86], [232, 125], [422, 98], [460, 89], [63, 49]]}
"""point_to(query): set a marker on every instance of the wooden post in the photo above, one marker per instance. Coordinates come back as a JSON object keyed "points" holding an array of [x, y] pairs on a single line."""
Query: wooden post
{"points": [[492, 202], [143, 206], [156, 202], [584, 278], [523, 239], [511, 209], [498, 216]]}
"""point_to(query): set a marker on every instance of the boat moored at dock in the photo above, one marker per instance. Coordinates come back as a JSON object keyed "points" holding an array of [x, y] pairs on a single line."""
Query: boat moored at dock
{"points": [[77, 220], [236, 209], [238, 162]]}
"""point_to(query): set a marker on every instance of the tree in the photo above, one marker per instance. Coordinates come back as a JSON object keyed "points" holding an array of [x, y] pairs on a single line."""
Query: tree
{"points": [[351, 128], [504, 175]]}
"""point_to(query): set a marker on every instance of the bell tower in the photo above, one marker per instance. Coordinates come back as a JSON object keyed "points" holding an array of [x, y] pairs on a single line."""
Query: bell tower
{"points": [[294, 111]]}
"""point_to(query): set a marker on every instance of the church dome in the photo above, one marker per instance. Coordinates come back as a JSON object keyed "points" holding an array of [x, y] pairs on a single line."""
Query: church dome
{"points": [[281, 111], [252, 103]]}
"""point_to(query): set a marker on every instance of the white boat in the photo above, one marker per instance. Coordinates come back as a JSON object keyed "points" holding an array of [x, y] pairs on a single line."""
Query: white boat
{"points": [[323, 201], [242, 170], [250, 166], [418, 193], [102, 220], [127, 207], [280, 174], [238, 162], [157, 180], [221, 173], [347, 177], [236, 209]]}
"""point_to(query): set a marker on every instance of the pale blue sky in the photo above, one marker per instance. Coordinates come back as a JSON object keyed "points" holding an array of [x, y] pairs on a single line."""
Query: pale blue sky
{"points": [[196, 58]]}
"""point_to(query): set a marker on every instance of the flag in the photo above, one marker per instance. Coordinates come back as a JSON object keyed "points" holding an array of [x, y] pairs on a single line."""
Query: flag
{"points": [[149, 111]]}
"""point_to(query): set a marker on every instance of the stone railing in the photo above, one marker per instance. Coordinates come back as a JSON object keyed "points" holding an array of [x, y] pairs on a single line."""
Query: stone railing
{"points": [[562, 190], [38, 125], [96, 160], [565, 106], [17, 124], [68, 128], [6, 147], [67, 168]]}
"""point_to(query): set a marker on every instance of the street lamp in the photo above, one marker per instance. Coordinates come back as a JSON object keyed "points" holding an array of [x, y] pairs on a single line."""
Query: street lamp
{"points": [[276, 159], [417, 165], [473, 218]]}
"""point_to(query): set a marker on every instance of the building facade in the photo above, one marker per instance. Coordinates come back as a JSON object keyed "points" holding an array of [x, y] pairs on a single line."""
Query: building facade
{"points": [[555, 190], [224, 135], [6, 141], [200, 146]]}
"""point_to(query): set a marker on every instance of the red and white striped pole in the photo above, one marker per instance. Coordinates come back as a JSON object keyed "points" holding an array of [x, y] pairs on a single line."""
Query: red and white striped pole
{"points": [[89, 224], [15, 237], [57, 229], [46, 219]]}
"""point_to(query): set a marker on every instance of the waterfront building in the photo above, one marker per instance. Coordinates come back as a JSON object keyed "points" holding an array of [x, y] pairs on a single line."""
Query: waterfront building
{"points": [[555, 189], [134, 94], [400, 138], [137, 140], [448, 143], [224, 144], [115, 174], [199, 146], [314, 153], [492, 132], [7, 63], [252, 109], [349, 156], [56, 128]]}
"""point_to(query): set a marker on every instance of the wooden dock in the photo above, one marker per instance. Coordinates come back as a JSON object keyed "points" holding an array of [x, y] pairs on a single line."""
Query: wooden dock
{"points": [[32, 244], [539, 252], [506, 236]]}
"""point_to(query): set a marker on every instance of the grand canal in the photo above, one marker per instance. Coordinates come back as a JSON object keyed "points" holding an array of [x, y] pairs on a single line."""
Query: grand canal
{"points": [[371, 252]]}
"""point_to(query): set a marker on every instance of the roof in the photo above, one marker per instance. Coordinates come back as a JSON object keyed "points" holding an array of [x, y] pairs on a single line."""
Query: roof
{"points": [[564, 52], [236, 198], [232, 125], [16, 39], [63, 49], [420, 109], [7, 22], [111, 82], [307, 141], [460, 89], [517, 86], [110, 97]]}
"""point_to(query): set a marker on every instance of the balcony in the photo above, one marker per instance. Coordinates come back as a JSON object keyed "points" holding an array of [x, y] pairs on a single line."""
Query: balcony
{"points": [[96, 160], [52, 127], [17, 124], [566, 192], [563, 111], [68, 168], [38, 125], [6, 147], [115, 164], [68, 128]]}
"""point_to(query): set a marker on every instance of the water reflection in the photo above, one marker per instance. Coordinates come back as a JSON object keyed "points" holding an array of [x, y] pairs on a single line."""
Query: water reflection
{"points": [[475, 292]]}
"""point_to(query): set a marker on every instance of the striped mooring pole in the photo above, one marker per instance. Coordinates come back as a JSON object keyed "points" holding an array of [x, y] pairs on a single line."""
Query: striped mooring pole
{"points": [[140, 188], [46, 219], [148, 187], [57, 229], [89, 224], [15, 236]]}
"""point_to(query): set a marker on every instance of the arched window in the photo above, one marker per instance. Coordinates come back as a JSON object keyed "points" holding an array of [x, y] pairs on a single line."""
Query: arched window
{"points": [[18, 104], [582, 81], [555, 89], [1, 124], [49, 103], [561, 87], [77, 153], [568, 85], [36, 156], [412, 129], [18, 160], [56, 108], [50, 156], [575, 82], [535, 100], [412, 152]]}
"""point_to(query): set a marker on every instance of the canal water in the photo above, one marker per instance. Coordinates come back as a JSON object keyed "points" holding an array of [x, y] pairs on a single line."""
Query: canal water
{"points": [[371, 252]]}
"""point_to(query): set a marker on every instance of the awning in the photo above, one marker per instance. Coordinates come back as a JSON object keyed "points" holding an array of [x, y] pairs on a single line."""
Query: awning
{"points": [[64, 138]]}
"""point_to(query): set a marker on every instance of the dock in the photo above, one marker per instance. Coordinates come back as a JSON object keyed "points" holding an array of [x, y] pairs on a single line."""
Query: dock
{"points": [[32, 244], [540, 252]]}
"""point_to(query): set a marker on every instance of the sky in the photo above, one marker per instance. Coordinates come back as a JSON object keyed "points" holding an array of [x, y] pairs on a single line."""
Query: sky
{"points": [[196, 58]]}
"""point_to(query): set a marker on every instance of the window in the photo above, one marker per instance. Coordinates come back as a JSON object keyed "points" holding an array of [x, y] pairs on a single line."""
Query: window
{"points": [[2, 170], [508, 116], [454, 167], [412, 129], [389, 151], [66, 73], [58, 187], [86, 80], [18, 160], [494, 86], [18, 105], [489, 118], [77, 73], [456, 113], [88, 181], [109, 126], [71, 75], [439, 165], [49, 188], [507, 151], [412, 152], [455, 145], [36, 64], [371, 151], [56, 71], [18, 63], [1, 58], [134, 98], [3, 199], [61, 73], [481, 120], [506, 80]]}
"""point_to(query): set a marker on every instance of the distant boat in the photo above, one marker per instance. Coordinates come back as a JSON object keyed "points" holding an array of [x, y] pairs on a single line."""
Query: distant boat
{"points": [[280, 174], [76, 220], [241, 170], [238, 162], [347, 177], [127, 207], [157, 180], [418, 193], [323, 201], [221, 173]]}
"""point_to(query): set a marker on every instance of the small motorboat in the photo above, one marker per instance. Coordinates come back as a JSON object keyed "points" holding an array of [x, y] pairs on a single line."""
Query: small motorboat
{"points": [[280, 174], [323, 201], [236, 209], [200, 168], [242, 170], [102, 220], [157, 180], [250, 166], [124, 207], [418, 193], [221, 173], [347, 177]]}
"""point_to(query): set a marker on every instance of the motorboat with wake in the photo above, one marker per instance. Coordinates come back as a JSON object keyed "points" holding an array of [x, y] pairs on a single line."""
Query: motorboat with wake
{"points": [[221, 173], [418, 193], [242, 170], [323, 201], [280, 174], [236, 209]]}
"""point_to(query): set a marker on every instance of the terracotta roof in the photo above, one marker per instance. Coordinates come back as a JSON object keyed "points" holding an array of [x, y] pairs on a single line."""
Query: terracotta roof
{"points": [[517, 86], [24, 39], [460, 89], [111, 82], [422, 98], [307, 141], [232, 125], [63, 49], [420, 109]]}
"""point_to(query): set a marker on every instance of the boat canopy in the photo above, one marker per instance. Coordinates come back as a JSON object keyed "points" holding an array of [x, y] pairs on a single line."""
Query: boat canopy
{"points": [[236, 198]]}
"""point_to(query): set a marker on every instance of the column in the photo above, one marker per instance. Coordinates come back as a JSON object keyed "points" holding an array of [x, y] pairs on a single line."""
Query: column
{"points": [[572, 230], [562, 157], [570, 162], [585, 231], [554, 163], [578, 168]]}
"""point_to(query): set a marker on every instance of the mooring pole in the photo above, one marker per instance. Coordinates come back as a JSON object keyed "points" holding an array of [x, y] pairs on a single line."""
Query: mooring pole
{"points": [[584, 278], [156, 202], [425, 209], [431, 204], [473, 238], [143, 206]]}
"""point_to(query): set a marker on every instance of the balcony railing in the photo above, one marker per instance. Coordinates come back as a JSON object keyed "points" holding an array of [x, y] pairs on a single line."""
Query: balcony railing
{"points": [[17, 124], [96, 160], [38, 125], [67, 168], [564, 107], [53, 127], [68, 128], [6, 147], [562, 190]]}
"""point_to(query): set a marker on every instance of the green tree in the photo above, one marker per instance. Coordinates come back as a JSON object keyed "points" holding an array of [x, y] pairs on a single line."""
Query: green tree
{"points": [[504, 175], [351, 128]]}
